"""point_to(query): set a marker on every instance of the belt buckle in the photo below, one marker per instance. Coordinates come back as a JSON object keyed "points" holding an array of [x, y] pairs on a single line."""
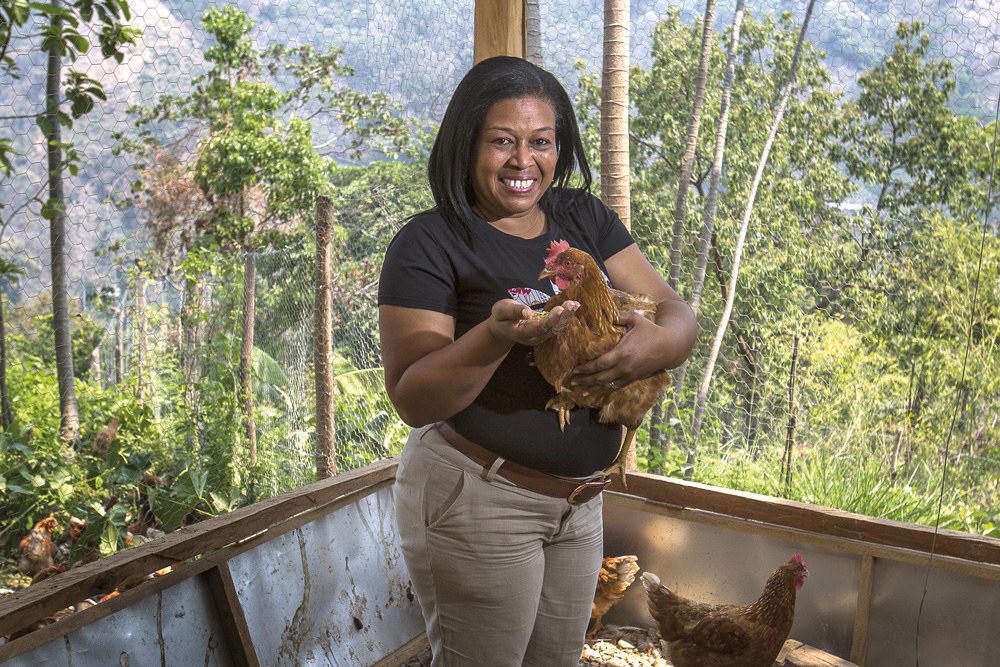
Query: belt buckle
{"points": [[588, 490]]}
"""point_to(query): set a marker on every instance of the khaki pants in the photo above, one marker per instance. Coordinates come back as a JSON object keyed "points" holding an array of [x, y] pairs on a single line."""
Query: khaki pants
{"points": [[504, 576]]}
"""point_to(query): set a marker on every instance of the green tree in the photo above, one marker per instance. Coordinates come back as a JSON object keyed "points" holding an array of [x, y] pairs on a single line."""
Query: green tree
{"points": [[248, 123], [804, 235], [63, 38], [928, 171]]}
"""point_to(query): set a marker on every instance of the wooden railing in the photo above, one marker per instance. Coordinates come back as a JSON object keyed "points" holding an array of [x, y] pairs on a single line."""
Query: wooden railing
{"points": [[204, 547], [207, 547]]}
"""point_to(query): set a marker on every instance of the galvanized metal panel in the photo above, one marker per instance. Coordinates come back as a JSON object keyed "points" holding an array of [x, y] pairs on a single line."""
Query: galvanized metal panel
{"points": [[717, 565], [958, 627], [334, 591], [178, 626]]}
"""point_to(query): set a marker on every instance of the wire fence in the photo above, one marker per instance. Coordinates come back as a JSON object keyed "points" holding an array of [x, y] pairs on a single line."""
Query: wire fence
{"points": [[856, 284]]}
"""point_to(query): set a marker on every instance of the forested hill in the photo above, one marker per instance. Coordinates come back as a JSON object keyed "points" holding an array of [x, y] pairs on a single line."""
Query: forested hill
{"points": [[415, 51]]}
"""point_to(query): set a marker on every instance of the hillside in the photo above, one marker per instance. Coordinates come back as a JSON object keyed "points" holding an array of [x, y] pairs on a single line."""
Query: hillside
{"points": [[416, 51]]}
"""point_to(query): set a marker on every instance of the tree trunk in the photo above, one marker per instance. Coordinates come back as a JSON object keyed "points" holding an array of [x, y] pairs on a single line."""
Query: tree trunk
{"points": [[615, 164], [140, 333], [6, 414], [119, 345], [690, 147], [326, 434], [699, 411], [69, 420], [792, 418], [189, 360], [95, 367], [711, 202], [246, 352]]}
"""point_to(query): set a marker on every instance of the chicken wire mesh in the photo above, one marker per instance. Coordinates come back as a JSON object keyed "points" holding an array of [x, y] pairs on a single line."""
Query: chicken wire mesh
{"points": [[843, 364]]}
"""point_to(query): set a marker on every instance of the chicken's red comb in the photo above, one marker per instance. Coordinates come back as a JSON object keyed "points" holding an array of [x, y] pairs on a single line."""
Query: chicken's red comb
{"points": [[555, 249], [796, 558]]}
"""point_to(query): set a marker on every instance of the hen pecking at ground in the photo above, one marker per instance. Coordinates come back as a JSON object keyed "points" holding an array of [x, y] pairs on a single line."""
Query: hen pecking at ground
{"points": [[708, 635], [616, 575]]}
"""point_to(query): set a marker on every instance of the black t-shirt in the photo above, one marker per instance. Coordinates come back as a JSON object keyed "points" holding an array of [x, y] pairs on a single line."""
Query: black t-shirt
{"points": [[428, 267]]}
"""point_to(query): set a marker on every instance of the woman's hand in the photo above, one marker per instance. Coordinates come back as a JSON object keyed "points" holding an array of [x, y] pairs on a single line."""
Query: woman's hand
{"points": [[429, 375], [637, 355], [512, 322]]}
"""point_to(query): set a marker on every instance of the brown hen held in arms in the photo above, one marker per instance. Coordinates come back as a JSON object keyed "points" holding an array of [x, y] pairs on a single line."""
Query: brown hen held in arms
{"points": [[709, 635], [593, 331]]}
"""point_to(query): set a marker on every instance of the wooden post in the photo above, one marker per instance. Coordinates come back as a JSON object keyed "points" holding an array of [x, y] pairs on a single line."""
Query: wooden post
{"points": [[326, 461], [501, 29], [533, 32]]}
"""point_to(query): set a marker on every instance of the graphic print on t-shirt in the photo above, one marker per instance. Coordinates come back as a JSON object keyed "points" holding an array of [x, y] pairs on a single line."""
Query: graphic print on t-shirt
{"points": [[529, 296]]}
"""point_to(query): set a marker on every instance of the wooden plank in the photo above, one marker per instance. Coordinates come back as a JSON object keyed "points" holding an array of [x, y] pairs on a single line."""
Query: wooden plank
{"points": [[234, 622], [188, 570], [500, 29], [99, 578], [796, 654], [88, 616], [813, 518], [956, 565], [862, 610], [408, 650]]}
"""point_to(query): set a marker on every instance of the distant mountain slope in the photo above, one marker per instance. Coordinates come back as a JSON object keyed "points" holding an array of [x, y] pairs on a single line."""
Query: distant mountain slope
{"points": [[415, 51]]}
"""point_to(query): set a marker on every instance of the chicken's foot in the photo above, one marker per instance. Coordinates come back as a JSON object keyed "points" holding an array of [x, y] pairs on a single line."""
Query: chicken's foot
{"points": [[619, 462], [562, 404]]}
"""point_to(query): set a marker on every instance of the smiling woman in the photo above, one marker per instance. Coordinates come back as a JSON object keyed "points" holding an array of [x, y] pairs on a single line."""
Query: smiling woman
{"points": [[499, 509], [515, 158]]}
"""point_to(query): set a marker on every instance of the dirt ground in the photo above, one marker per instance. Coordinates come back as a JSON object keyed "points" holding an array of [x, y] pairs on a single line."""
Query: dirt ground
{"points": [[611, 647]]}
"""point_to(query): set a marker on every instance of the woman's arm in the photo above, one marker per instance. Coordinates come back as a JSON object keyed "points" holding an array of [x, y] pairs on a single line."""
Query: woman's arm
{"points": [[646, 347], [429, 375]]}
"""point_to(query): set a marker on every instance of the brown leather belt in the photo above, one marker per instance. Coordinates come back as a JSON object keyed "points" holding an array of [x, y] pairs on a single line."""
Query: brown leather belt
{"points": [[527, 478]]}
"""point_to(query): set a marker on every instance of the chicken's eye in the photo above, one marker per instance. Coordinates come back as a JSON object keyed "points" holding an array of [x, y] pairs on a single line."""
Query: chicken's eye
{"points": [[567, 263]]}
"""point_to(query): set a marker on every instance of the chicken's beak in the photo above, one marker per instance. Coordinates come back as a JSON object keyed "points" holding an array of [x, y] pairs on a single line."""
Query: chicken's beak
{"points": [[547, 273]]}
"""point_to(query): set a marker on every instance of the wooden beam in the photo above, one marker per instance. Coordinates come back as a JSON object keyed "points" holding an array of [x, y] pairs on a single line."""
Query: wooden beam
{"points": [[862, 610], [27, 612], [501, 29], [405, 652], [101, 577], [230, 610], [815, 519]]}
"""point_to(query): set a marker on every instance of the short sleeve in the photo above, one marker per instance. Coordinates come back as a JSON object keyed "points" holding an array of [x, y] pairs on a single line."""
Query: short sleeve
{"points": [[612, 235], [417, 272]]}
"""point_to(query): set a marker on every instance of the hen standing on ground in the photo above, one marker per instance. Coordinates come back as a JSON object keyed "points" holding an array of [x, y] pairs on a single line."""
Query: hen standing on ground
{"points": [[104, 438], [707, 635], [593, 331], [37, 551]]}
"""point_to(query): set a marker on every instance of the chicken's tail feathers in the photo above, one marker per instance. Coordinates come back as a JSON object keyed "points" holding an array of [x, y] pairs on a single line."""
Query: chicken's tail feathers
{"points": [[650, 581]]}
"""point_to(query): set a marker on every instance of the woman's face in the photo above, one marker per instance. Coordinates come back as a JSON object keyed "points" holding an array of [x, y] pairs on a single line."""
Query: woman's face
{"points": [[514, 159]]}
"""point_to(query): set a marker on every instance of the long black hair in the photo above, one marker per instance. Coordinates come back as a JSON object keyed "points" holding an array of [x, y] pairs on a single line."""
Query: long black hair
{"points": [[488, 82]]}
